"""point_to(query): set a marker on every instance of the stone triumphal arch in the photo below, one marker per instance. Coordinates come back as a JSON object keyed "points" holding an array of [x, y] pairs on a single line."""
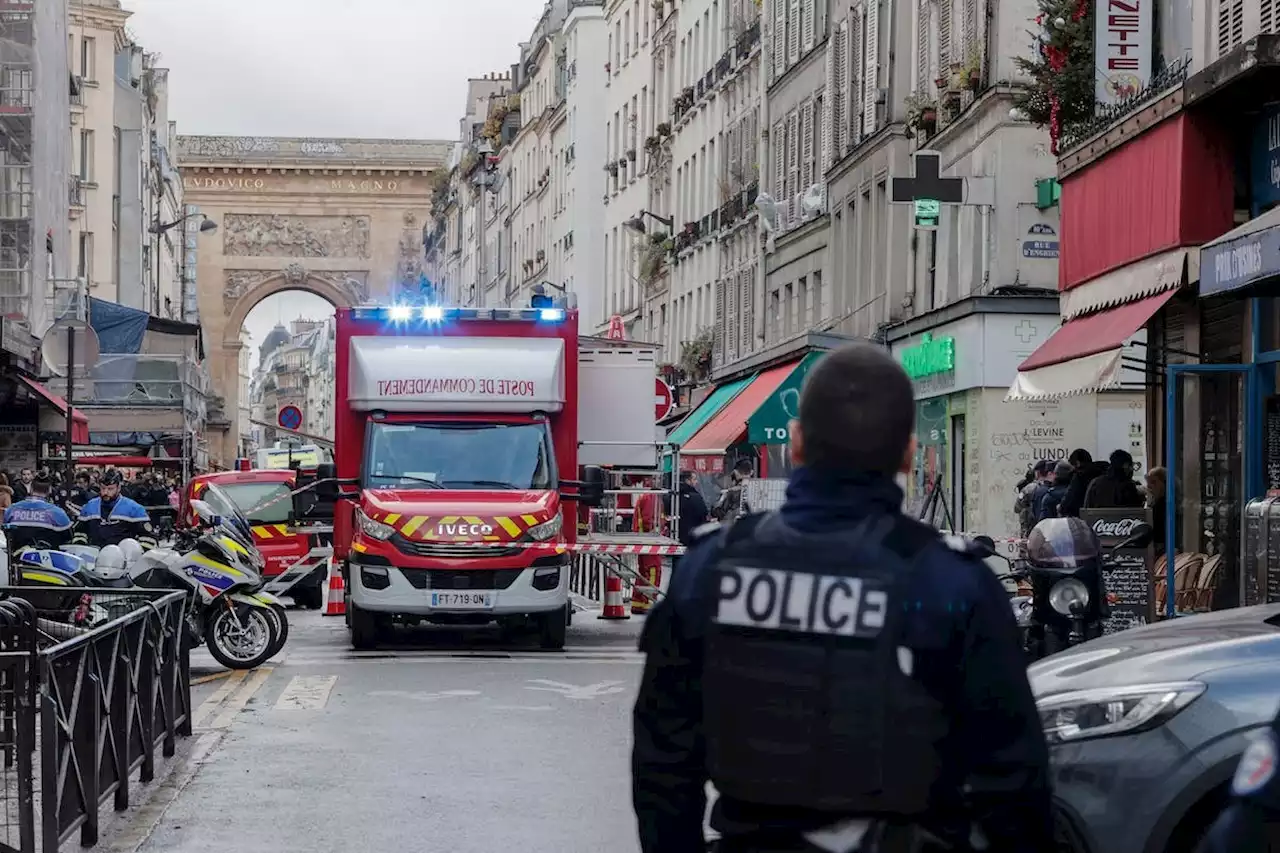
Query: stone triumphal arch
{"points": [[340, 218]]}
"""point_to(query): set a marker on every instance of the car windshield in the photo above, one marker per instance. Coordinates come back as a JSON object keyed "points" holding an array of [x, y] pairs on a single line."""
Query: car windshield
{"points": [[250, 497], [459, 456]]}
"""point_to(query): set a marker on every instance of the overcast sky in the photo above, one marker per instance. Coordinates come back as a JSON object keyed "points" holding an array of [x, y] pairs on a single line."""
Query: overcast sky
{"points": [[393, 69]]}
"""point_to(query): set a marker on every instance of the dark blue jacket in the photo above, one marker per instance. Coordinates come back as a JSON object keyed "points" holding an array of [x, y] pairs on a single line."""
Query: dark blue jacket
{"points": [[967, 652], [104, 522]]}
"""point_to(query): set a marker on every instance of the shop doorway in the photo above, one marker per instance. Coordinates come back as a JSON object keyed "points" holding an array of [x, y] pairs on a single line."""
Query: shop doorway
{"points": [[1212, 412], [957, 472]]}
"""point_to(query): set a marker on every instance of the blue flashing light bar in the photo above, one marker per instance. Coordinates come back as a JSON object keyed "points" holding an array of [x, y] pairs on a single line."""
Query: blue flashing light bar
{"points": [[437, 314]]}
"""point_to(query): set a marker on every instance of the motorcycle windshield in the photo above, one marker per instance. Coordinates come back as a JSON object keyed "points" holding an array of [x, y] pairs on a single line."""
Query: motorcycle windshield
{"points": [[232, 517]]}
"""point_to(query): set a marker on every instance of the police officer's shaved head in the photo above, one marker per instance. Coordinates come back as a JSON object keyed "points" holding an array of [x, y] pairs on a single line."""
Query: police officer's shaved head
{"points": [[857, 412]]}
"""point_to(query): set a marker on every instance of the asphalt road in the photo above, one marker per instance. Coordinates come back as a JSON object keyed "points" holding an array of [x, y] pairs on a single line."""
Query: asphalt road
{"points": [[421, 746]]}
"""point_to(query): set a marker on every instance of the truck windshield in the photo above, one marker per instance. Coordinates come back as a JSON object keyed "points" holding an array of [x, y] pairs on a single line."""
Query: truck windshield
{"points": [[459, 456], [247, 496]]}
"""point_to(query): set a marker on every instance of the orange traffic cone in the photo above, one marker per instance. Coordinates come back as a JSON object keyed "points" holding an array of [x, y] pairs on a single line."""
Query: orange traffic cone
{"points": [[335, 603], [614, 607]]}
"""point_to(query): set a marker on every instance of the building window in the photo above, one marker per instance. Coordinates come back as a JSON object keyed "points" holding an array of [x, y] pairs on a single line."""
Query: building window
{"points": [[84, 261], [86, 156], [88, 59]]}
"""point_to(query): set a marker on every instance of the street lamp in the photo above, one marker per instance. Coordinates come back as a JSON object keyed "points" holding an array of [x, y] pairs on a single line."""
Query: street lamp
{"points": [[636, 223], [208, 226]]}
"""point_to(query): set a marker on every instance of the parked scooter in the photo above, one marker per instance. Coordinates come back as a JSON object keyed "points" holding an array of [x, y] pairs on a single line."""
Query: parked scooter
{"points": [[1068, 604]]}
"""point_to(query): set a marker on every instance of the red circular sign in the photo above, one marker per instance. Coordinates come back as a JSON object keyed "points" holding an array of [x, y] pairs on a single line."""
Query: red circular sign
{"points": [[663, 401], [289, 417]]}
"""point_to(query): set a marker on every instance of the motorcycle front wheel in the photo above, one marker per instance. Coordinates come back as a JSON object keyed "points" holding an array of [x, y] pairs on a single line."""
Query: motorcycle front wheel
{"points": [[241, 637]]}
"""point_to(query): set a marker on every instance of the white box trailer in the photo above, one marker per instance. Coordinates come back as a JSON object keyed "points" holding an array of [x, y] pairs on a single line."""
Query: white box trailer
{"points": [[616, 399]]}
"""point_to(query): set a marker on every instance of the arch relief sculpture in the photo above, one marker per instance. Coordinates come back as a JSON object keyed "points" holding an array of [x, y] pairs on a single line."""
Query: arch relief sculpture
{"points": [[255, 235]]}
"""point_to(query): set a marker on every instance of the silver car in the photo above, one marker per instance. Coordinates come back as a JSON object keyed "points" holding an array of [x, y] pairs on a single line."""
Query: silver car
{"points": [[1146, 726]]}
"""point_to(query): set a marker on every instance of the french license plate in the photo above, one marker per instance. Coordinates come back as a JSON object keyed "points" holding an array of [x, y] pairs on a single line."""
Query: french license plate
{"points": [[463, 600]]}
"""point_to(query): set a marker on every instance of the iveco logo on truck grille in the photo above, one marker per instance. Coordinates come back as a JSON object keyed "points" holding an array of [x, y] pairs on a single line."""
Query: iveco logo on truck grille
{"points": [[464, 529]]}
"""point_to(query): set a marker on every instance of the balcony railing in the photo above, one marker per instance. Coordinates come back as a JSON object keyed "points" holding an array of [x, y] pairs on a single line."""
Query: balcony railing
{"points": [[75, 192], [143, 381]]}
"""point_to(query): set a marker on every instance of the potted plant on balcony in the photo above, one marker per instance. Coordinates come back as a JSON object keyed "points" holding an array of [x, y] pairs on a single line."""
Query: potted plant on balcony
{"points": [[612, 168], [540, 256], [664, 130], [922, 113], [622, 163], [631, 154], [973, 71]]}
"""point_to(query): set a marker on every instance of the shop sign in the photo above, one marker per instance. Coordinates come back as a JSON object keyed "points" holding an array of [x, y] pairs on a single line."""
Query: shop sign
{"points": [[16, 340], [1122, 49], [1041, 242], [930, 357], [703, 464], [1240, 262], [1264, 161], [770, 422]]}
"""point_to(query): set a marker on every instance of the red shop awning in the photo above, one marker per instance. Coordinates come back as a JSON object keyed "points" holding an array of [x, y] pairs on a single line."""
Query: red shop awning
{"points": [[730, 425], [79, 422], [1086, 354], [116, 461]]}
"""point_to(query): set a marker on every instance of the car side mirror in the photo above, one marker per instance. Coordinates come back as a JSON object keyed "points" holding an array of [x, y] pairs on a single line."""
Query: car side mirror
{"points": [[591, 492], [984, 545]]}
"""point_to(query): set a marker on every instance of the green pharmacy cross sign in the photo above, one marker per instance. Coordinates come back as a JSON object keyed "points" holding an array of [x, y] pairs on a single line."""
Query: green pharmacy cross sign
{"points": [[930, 357]]}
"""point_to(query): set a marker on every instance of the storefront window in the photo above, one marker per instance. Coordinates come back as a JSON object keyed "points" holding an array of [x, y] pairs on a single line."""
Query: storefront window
{"points": [[1208, 484]]}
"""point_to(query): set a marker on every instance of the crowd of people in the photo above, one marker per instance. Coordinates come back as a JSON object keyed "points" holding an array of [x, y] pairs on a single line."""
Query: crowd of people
{"points": [[152, 490], [1063, 489]]}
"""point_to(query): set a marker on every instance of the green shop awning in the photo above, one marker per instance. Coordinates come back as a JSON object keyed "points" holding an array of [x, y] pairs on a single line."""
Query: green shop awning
{"points": [[768, 424], [708, 409]]}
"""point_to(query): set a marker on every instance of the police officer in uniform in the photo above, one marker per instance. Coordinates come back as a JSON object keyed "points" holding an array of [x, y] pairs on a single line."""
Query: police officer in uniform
{"points": [[1251, 823], [847, 678], [111, 517], [35, 521]]}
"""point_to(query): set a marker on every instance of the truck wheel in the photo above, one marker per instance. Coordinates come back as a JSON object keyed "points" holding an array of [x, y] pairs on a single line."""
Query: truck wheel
{"points": [[365, 628], [552, 628]]}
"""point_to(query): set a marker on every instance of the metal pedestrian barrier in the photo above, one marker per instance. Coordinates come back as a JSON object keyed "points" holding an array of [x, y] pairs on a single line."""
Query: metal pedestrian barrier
{"points": [[85, 712]]}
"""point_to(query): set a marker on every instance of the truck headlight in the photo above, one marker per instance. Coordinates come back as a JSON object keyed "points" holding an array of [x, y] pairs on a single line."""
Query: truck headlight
{"points": [[547, 529], [373, 529], [1106, 711]]}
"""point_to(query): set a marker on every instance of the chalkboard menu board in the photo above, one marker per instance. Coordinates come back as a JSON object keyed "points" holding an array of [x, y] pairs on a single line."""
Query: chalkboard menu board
{"points": [[1271, 446], [1128, 578]]}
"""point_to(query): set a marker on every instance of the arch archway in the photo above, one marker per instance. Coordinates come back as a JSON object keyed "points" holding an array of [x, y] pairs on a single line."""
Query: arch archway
{"points": [[241, 296]]}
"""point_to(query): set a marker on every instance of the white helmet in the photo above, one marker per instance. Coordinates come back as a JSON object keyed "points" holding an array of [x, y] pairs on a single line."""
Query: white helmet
{"points": [[111, 562], [132, 550]]}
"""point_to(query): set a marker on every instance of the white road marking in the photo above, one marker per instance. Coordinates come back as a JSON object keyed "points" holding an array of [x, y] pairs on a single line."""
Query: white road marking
{"points": [[208, 706], [306, 693], [238, 700], [422, 696], [575, 691]]}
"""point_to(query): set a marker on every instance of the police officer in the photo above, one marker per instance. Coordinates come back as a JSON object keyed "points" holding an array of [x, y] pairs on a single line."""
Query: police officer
{"points": [[1252, 820], [35, 521], [111, 517], [835, 660]]}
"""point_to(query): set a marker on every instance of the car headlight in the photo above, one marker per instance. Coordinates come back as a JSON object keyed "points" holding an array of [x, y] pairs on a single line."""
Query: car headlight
{"points": [[1067, 595], [547, 529], [1106, 711], [373, 529]]}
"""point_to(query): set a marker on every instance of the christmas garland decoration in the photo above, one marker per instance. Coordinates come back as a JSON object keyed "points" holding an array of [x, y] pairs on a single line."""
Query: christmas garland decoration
{"points": [[1062, 71]]}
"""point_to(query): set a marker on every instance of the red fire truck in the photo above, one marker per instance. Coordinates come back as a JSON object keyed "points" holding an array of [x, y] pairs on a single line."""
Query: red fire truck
{"points": [[459, 434]]}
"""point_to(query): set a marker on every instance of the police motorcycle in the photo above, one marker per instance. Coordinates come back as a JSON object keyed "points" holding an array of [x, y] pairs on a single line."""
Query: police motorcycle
{"points": [[1068, 603], [221, 570], [76, 570]]}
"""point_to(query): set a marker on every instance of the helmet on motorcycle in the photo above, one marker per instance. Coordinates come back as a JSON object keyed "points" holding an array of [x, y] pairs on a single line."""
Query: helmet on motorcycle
{"points": [[131, 549], [111, 562], [110, 477], [1062, 543]]}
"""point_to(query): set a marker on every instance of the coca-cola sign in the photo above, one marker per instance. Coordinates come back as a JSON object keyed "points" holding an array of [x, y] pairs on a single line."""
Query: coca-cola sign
{"points": [[1115, 528]]}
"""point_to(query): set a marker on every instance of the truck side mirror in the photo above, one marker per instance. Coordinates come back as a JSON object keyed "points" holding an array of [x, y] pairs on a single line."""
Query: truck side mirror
{"points": [[326, 483], [591, 492]]}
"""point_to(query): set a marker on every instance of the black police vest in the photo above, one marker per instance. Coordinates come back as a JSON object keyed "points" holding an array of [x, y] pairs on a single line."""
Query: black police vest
{"points": [[805, 699]]}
